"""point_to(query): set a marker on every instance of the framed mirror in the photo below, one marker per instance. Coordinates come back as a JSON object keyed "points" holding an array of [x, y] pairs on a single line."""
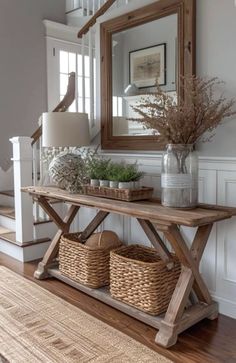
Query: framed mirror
{"points": [[149, 44]]}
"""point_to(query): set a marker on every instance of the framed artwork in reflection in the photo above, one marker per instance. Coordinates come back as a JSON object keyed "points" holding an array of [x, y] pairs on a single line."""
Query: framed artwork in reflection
{"points": [[147, 66]]}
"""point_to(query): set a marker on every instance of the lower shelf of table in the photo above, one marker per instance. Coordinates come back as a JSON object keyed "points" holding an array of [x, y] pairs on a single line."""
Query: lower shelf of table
{"points": [[191, 315]]}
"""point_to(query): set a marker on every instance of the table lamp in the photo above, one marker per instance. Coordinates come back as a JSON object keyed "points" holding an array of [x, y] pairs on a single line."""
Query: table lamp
{"points": [[64, 130]]}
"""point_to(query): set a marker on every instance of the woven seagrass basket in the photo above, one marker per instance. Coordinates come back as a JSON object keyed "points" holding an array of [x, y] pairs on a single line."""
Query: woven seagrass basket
{"points": [[140, 278], [88, 265], [128, 195]]}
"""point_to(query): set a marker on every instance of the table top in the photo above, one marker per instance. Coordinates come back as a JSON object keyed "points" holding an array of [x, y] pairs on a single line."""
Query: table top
{"points": [[149, 209]]}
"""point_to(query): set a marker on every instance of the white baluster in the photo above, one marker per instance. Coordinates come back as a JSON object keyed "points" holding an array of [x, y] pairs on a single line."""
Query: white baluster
{"points": [[69, 5], [35, 165], [76, 4], [93, 11], [82, 6], [91, 77], [87, 5], [83, 73]]}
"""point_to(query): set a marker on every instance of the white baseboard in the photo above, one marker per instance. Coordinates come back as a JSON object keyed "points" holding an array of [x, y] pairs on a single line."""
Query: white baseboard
{"points": [[11, 250], [226, 307], [24, 254], [35, 252], [7, 201]]}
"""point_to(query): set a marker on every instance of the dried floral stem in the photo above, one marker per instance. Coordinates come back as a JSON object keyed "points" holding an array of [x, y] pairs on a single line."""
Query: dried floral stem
{"points": [[188, 120]]}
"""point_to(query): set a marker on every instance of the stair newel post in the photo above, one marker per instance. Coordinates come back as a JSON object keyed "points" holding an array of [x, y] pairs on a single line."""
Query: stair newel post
{"points": [[22, 168]]}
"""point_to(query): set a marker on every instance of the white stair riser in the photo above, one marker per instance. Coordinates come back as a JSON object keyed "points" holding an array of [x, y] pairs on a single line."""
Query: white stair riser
{"points": [[45, 230], [11, 250], [26, 254], [6, 201], [35, 252], [6, 179], [8, 223]]}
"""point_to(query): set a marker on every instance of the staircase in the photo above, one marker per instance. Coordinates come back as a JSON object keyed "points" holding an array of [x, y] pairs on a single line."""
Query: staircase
{"points": [[22, 235], [27, 250]]}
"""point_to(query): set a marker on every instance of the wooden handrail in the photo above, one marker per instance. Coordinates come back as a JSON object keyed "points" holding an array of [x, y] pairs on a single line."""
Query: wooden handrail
{"points": [[62, 106], [92, 21]]}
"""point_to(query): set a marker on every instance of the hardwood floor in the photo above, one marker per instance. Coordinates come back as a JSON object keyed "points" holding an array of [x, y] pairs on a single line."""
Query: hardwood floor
{"points": [[208, 341]]}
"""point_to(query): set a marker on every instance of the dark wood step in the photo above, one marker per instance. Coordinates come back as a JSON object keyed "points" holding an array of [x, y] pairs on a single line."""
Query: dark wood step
{"points": [[8, 212], [42, 221], [11, 238], [8, 193], [4, 230]]}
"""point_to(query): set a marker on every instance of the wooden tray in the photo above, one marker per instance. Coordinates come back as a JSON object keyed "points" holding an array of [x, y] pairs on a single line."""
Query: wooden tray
{"points": [[128, 195]]}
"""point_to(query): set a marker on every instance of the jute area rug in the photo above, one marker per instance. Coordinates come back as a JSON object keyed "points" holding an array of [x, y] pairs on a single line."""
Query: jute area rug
{"points": [[37, 326]]}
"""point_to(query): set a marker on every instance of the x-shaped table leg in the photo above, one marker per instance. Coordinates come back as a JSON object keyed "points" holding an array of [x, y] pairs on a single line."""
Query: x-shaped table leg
{"points": [[64, 227], [190, 277]]}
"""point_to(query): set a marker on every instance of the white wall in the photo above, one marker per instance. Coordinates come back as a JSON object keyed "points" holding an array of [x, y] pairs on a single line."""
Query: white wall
{"points": [[216, 56], [23, 80]]}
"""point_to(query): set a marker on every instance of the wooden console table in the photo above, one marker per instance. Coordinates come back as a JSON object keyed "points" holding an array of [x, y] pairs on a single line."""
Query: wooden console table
{"points": [[191, 300]]}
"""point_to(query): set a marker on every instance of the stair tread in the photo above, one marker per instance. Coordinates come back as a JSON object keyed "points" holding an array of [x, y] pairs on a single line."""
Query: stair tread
{"points": [[10, 213], [9, 193], [42, 221], [11, 237], [7, 211], [4, 230]]}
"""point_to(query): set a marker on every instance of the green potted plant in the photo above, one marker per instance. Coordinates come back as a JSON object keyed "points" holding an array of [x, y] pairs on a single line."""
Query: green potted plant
{"points": [[98, 171], [101, 170], [128, 174], [114, 171]]}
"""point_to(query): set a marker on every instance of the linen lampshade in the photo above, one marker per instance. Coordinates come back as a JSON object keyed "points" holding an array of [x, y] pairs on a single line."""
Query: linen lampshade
{"points": [[61, 129]]}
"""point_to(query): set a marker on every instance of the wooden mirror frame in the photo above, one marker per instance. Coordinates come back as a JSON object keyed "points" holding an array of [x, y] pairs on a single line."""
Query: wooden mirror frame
{"points": [[186, 12]]}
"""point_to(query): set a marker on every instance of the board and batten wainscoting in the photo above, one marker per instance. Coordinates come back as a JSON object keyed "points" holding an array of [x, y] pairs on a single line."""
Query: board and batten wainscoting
{"points": [[217, 185]]}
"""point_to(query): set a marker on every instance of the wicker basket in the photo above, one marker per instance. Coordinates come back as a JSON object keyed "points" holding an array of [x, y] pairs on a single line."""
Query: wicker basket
{"points": [[128, 195], [84, 264], [140, 278]]}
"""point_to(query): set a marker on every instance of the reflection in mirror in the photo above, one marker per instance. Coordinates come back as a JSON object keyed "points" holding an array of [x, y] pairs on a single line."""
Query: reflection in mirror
{"points": [[142, 56]]}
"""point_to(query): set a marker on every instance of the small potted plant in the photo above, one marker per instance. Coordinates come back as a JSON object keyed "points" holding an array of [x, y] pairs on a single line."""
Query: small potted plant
{"points": [[98, 170], [92, 167], [128, 174], [114, 171], [102, 169]]}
